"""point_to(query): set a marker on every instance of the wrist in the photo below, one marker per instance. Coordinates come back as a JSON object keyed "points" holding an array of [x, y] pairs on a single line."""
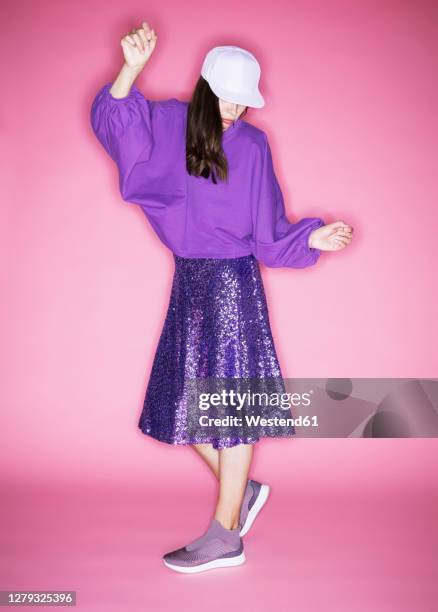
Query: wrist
{"points": [[132, 71]]}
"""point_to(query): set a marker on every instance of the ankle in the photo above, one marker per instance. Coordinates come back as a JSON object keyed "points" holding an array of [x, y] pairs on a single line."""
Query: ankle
{"points": [[228, 522]]}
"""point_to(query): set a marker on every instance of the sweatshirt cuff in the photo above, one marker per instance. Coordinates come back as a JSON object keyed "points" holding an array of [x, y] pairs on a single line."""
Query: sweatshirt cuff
{"points": [[133, 91], [313, 252]]}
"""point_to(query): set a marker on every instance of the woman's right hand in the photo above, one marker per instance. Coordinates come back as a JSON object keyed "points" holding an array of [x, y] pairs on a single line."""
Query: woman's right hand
{"points": [[138, 45]]}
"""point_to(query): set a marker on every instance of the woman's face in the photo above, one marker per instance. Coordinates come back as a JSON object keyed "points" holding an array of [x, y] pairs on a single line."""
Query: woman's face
{"points": [[229, 112]]}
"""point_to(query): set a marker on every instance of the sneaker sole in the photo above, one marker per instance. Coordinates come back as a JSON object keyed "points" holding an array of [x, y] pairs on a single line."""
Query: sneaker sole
{"points": [[258, 505], [227, 562]]}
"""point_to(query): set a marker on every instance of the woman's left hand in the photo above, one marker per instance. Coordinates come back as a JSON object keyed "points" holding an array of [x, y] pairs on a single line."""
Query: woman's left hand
{"points": [[332, 237]]}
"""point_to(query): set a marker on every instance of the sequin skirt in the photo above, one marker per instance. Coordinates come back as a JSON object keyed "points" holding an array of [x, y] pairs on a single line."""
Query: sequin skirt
{"points": [[217, 325]]}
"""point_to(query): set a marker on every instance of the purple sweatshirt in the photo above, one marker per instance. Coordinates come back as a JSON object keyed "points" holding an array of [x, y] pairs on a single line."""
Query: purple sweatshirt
{"points": [[193, 216]]}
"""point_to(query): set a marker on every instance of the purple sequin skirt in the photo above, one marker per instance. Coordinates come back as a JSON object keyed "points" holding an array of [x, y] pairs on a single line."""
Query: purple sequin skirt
{"points": [[217, 325]]}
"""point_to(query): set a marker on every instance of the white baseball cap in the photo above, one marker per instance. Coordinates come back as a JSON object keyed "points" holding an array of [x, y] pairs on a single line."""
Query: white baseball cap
{"points": [[233, 75]]}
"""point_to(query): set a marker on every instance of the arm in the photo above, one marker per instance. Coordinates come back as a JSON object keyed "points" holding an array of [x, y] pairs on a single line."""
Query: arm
{"points": [[124, 81], [275, 241], [124, 128], [121, 117]]}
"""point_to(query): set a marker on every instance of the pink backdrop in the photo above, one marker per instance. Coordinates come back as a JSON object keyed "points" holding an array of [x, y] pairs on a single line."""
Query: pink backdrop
{"points": [[351, 115]]}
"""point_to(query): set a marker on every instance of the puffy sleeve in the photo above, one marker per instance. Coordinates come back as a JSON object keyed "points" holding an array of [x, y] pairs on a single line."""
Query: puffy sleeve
{"points": [[275, 241], [124, 127]]}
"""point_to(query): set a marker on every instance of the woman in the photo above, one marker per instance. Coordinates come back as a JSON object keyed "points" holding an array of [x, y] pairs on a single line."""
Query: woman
{"points": [[205, 180]]}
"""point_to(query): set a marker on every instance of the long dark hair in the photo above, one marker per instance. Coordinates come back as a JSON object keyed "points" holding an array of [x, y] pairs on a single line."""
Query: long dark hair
{"points": [[204, 153]]}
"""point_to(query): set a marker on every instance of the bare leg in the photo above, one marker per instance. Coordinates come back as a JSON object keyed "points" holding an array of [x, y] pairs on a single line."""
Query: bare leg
{"points": [[231, 467], [210, 455], [234, 464]]}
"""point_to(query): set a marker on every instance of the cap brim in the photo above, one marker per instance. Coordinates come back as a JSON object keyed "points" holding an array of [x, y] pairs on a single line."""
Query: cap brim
{"points": [[254, 100]]}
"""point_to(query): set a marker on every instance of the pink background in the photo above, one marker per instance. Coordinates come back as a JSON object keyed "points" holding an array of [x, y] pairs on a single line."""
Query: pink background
{"points": [[90, 503]]}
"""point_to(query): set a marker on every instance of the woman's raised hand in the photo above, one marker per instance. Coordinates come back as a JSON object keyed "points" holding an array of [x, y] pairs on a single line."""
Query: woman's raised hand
{"points": [[332, 237], [138, 45]]}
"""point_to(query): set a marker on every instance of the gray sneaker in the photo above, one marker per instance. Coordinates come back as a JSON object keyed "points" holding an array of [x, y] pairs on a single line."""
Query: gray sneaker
{"points": [[218, 547], [254, 498]]}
